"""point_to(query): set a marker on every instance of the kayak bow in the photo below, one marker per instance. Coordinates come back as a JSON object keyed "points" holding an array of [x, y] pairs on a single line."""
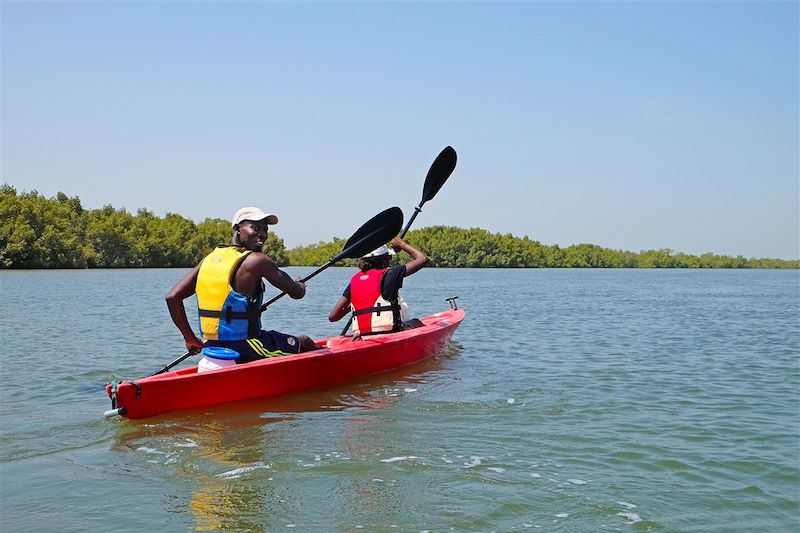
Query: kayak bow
{"points": [[339, 360]]}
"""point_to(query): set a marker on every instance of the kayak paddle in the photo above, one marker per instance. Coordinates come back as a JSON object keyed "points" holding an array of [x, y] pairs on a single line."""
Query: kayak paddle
{"points": [[440, 170], [378, 230]]}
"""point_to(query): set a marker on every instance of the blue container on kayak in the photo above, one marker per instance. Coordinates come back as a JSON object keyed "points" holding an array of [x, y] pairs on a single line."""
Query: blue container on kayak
{"points": [[216, 357]]}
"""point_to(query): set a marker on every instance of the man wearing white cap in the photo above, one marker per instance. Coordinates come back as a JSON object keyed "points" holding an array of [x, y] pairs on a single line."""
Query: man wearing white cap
{"points": [[229, 287], [373, 292]]}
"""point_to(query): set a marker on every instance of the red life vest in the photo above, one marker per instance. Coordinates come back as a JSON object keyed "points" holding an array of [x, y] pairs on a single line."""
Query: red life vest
{"points": [[372, 313]]}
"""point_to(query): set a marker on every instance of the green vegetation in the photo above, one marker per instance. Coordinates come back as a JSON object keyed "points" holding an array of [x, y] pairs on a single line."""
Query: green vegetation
{"points": [[36, 232], [455, 247], [449, 246], [59, 233]]}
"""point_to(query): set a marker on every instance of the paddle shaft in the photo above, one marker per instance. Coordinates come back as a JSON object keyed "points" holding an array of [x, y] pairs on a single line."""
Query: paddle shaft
{"points": [[303, 280], [175, 362], [417, 210]]}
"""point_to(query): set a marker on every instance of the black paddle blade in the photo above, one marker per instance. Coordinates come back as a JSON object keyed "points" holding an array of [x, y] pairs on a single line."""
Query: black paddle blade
{"points": [[440, 170], [376, 231]]}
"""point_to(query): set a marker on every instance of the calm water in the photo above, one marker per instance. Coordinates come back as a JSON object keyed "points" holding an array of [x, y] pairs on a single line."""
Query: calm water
{"points": [[570, 400]]}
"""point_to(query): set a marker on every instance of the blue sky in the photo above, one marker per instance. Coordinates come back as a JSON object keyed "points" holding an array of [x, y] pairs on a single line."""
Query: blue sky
{"points": [[634, 126]]}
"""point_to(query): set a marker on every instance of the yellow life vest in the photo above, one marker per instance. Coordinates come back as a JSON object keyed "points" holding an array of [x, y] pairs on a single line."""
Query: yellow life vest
{"points": [[225, 314]]}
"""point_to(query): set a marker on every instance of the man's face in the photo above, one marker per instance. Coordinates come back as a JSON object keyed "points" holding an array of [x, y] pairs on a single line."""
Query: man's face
{"points": [[253, 234]]}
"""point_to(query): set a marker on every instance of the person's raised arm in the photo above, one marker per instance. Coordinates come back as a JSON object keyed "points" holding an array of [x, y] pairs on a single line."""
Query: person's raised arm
{"points": [[175, 297], [418, 258]]}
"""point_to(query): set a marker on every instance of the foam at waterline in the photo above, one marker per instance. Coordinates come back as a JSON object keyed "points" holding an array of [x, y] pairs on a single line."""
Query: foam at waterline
{"points": [[474, 461], [237, 472], [146, 449], [400, 458], [630, 516], [170, 457]]}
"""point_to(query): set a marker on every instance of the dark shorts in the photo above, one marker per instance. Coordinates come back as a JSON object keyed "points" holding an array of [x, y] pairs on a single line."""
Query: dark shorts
{"points": [[268, 344]]}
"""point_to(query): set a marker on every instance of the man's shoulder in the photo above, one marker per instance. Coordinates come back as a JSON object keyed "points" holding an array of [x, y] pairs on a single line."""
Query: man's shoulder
{"points": [[257, 261], [397, 270], [258, 257], [394, 273]]}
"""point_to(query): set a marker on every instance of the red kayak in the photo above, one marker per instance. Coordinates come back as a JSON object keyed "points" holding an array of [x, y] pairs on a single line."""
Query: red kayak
{"points": [[338, 361]]}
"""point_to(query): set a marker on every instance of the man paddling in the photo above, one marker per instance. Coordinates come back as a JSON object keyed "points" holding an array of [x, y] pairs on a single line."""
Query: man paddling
{"points": [[229, 287], [373, 292]]}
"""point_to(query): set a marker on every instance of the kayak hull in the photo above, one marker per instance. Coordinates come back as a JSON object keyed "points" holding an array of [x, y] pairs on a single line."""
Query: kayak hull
{"points": [[340, 360]]}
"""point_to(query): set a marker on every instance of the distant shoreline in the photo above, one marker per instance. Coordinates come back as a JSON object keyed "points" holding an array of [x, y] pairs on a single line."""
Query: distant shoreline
{"points": [[58, 233]]}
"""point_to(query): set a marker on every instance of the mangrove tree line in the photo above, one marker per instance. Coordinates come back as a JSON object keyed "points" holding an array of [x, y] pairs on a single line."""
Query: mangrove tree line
{"points": [[37, 232]]}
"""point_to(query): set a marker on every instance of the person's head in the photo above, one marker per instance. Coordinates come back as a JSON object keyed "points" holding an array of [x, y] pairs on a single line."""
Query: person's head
{"points": [[376, 259], [250, 227]]}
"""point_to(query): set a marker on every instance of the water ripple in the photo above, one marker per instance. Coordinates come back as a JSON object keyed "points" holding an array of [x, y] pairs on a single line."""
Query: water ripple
{"points": [[609, 401]]}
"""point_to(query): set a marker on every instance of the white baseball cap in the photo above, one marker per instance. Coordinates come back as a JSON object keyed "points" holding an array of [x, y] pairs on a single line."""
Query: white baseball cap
{"points": [[381, 250], [252, 213]]}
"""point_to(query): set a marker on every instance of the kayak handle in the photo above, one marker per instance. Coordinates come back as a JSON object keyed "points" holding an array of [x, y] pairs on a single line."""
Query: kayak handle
{"points": [[115, 412]]}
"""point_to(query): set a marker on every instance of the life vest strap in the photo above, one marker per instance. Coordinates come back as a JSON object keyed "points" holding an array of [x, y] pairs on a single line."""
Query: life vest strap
{"points": [[377, 309], [227, 314]]}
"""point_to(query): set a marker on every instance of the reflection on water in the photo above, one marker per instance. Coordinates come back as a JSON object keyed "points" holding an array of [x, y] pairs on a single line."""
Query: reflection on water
{"points": [[236, 456], [224, 455]]}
